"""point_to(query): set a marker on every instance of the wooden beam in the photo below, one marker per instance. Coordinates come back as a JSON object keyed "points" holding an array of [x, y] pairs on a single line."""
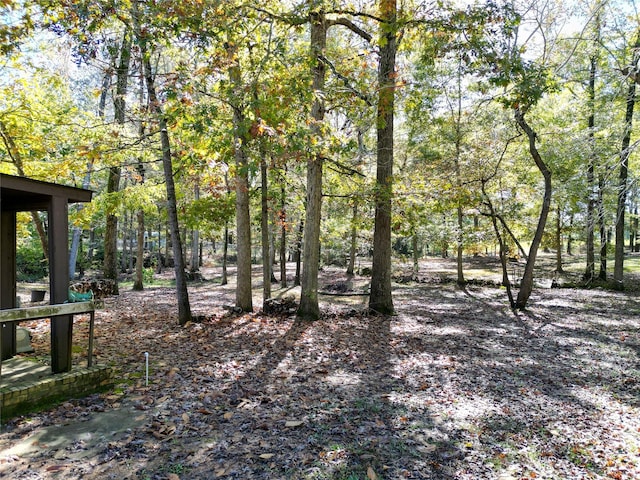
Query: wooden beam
{"points": [[45, 311]]}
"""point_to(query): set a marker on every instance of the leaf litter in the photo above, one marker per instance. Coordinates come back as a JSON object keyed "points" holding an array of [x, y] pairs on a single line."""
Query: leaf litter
{"points": [[455, 386]]}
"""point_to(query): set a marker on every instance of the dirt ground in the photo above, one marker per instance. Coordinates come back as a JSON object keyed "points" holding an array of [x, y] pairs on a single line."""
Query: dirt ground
{"points": [[454, 386]]}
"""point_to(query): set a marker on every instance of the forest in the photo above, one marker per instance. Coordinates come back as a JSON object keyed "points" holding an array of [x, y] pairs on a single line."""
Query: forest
{"points": [[323, 132], [413, 171]]}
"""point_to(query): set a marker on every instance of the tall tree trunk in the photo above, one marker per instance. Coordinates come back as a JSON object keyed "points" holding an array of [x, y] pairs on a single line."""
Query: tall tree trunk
{"points": [[184, 309], [225, 251], [244, 297], [283, 236], [110, 265], [592, 193], [602, 225], [138, 283], [633, 241], [195, 239], [501, 245], [526, 286], [298, 253], [618, 267], [308, 308], [415, 254], [459, 211], [353, 244], [559, 268], [265, 231], [380, 299], [570, 236]]}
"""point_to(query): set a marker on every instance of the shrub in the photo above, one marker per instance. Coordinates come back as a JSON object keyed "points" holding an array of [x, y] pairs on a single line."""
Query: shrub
{"points": [[30, 263]]}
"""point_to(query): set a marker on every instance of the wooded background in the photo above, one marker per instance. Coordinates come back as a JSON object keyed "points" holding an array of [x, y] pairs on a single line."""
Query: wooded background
{"points": [[325, 131]]}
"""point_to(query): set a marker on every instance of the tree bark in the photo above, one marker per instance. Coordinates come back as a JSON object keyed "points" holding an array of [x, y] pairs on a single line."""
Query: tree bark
{"points": [[264, 226], [380, 299], [592, 194], [459, 211], [283, 236], [559, 268], [309, 308], [501, 245], [618, 267], [138, 284], [298, 253], [602, 225], [195, 237], [244, 296], [184, 309], [354, 237], [225, 251], [415, 255], [526, 286], [110, 265]]}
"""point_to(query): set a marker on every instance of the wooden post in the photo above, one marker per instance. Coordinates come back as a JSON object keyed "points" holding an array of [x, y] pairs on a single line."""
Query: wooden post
{"points": [[7, 280], [61, 327]]}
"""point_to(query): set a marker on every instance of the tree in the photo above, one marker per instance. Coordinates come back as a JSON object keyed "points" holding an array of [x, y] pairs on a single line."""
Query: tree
{"points": [[592, 194], [631, 71], [110, 267], [308, 308], [380, 299], [244, 298], [155, 106]]}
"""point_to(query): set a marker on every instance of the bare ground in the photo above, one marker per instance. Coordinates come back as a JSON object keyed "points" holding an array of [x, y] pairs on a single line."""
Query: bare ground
{"points": [[455, 386]]}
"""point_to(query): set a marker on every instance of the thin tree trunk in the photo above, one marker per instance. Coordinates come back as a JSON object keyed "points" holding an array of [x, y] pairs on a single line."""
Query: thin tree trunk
{"points": [[502, 247], [195, 240], [559, 268], [592, 194], [415, 255], [634, 230], [459, 211], [113, 181], [298, 253], [309, 308], [602, 224], [570, 236], [138, 283], [618, 268], [380, 299], [283, 236], [225, 251], [184, 309], [526, 286], [354, 238], [264, 226]]}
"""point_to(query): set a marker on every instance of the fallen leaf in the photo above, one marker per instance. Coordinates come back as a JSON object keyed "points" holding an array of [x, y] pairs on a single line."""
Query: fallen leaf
{"points": [[185, 418], [267, 456], [173, 476], [55, 468], [371, 474], [293, 423], [227, 416]]}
